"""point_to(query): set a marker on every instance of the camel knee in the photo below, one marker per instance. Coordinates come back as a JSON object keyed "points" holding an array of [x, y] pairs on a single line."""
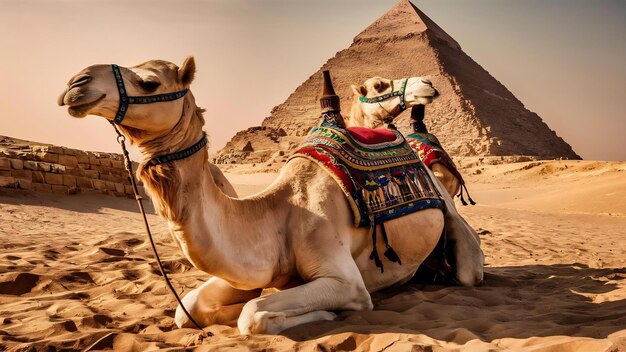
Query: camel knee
{"points": [[469, 267], [190, 301]]}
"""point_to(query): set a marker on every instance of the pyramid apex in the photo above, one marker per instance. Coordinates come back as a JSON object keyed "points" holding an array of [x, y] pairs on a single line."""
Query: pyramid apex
{"points": [[403, 21]]}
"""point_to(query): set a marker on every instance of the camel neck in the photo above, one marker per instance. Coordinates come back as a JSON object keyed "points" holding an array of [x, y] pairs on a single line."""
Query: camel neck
{"points": [[186, 133], [214, 231]]}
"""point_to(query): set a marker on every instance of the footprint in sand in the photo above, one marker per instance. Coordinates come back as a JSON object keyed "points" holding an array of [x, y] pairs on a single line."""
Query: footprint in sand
{"points": [[18, 283], [113, 251]]}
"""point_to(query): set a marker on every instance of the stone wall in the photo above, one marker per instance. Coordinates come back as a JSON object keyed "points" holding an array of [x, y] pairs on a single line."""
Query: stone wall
{"points": [[52, 169]]}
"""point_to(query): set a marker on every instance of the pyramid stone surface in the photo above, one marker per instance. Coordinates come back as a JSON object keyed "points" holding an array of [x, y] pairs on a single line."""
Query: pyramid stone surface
{"points": [[475, 116]]}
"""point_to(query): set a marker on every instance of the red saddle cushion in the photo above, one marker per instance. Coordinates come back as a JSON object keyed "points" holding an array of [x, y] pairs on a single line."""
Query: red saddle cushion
{"points": [[371, 136]]}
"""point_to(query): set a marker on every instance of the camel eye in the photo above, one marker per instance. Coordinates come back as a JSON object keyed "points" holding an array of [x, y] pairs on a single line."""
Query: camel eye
{"points": [[149, 86]]}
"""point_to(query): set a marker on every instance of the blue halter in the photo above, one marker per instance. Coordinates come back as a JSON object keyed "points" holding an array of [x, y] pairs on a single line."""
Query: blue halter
{"points": [[395, 93], [148, 99]]}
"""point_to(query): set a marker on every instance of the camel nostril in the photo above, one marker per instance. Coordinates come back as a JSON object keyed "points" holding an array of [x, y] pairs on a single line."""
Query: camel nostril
{"points": [[436, 93], [80, 80]]}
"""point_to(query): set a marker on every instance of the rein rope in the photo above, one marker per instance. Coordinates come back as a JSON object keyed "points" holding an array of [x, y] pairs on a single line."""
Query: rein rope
{"points": [[121, 140]]}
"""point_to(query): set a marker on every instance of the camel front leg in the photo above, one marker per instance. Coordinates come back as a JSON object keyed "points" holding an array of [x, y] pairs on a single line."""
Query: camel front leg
{"points": [[334, 282], [312, 301], [214, 302]]}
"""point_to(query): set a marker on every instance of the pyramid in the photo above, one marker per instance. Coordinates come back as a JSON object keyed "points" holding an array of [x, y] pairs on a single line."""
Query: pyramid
{"points": [[475, 115]]}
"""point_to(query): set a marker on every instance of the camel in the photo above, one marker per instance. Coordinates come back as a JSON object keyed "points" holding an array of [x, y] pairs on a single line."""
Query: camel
{"points": [[375, 115], [297, 235], [368, 111]]}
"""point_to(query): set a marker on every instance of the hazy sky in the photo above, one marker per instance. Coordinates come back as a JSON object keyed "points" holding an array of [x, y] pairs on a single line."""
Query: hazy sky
{"points": [[565, 59]]}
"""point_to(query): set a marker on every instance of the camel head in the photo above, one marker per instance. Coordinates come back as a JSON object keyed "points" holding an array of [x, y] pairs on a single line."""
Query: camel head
{"points": [[379, 99], [94, 91]]}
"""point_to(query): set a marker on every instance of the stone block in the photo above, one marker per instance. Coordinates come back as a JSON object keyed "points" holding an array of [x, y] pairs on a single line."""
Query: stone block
{"points": [[31, 165], [119, 188], [24, 184], [110, 178], [105, 162], [38, 177], [117, 164], [44, 166], [5, 173], [92, 174], [75, 171], [84, 182], [93, 160], [23, 174], [60, 189], [5, 164], [84, 166], [17, 164], [7, 181], [49, 157], [57, 168], [53, 179], [41, 187], [82, 158], [68, 160], [55, 149], [99, 185], [69, 180], [110, 186], [128, 189]]}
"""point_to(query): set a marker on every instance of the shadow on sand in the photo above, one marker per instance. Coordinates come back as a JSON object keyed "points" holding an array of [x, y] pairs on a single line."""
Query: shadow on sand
{"points": [[83, 202], [513, 302]]}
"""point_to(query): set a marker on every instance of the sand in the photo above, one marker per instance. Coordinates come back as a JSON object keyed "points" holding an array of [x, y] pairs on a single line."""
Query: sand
{"points": [[76, 273]]}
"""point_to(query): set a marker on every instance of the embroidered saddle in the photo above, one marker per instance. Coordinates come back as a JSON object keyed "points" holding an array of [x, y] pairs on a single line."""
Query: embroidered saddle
{"points": [[431, 152], [379, 173]]}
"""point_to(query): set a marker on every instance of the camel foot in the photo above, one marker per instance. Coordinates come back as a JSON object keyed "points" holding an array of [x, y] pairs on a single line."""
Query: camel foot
{"points": [[272, 323]]}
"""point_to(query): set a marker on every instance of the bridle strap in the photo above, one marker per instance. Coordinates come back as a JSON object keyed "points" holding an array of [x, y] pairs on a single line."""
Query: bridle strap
{"points": [[181, 154], [396, 93], [147, 99]]}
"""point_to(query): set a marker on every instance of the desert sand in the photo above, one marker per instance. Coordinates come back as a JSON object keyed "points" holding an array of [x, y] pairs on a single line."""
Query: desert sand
{"points": [[77, 273]]}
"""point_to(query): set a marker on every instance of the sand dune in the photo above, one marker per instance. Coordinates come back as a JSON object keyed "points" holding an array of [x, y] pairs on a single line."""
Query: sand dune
{"points": [[76, 273]]}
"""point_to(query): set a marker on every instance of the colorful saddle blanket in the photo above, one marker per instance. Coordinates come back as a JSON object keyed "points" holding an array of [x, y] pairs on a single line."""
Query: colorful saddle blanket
{"points": [[431, 152], [382, 181]]}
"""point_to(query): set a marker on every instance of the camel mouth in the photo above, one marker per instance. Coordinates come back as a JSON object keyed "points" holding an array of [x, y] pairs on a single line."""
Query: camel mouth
{"points": [[426, 98], [82, 109]]}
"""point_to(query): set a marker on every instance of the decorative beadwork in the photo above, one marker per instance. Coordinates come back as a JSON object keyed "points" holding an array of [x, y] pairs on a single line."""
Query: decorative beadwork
{"points": [[181, 154]]}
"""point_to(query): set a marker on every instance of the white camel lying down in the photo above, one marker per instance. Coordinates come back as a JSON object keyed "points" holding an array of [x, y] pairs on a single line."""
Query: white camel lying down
{"points": [[297, 235]]}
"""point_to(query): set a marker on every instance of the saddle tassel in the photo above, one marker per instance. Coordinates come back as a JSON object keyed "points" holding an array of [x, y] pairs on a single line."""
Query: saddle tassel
{"points": [[390, 253], [468, 196], [374, 255], [461, 197]]}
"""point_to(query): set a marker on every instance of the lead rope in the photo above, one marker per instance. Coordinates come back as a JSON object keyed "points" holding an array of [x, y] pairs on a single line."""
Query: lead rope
{"points": [[121, 140]]}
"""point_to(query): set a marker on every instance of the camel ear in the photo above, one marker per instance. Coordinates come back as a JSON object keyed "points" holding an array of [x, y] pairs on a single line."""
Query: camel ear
{"points": [[360, 91], [187, 71]]}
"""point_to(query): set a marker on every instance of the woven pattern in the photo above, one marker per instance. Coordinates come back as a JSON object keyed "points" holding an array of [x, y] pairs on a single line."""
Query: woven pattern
{"points": [[381, 181], [430, 153]]}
